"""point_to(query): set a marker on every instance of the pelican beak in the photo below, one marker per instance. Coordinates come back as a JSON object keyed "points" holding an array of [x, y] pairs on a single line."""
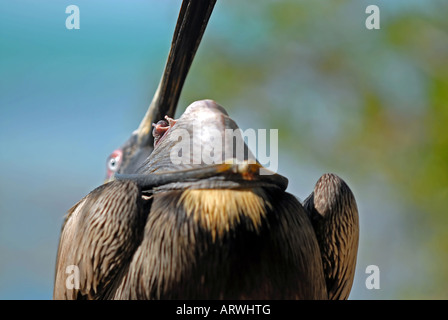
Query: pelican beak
{"points": [[191, 24]]}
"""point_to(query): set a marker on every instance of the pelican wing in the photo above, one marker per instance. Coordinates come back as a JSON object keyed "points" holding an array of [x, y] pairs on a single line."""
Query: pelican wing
{"points": [[333, 213], [99, 236]]}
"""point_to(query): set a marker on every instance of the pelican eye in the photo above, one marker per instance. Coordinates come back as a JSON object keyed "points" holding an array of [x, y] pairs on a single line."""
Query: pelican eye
{"points": [[114, 160], [113, 164]]}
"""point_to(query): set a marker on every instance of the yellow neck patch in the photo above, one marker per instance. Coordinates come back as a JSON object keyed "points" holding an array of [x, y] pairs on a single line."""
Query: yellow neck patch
{"points": [[219, 210]]}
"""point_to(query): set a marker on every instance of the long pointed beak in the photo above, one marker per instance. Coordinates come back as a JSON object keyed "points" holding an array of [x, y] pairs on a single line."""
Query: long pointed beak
{"points": [[191, 23]]}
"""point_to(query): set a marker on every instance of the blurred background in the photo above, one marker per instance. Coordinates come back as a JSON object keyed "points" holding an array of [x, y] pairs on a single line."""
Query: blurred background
{"points": [[368, 105]]}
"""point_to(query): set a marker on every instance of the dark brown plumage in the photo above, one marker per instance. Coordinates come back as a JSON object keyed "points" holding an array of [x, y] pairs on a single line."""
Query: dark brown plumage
{"points": [[99, 236], [246, 251], [333, 213], [232, 235]]}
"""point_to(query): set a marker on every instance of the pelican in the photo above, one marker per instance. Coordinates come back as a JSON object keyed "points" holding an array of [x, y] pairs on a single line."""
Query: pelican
{"points": [[170, 223]]}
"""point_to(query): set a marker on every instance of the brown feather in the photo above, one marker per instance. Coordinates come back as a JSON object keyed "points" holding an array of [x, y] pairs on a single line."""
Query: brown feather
{"points": [[264, 251], [334, 214], [99, 237]]}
